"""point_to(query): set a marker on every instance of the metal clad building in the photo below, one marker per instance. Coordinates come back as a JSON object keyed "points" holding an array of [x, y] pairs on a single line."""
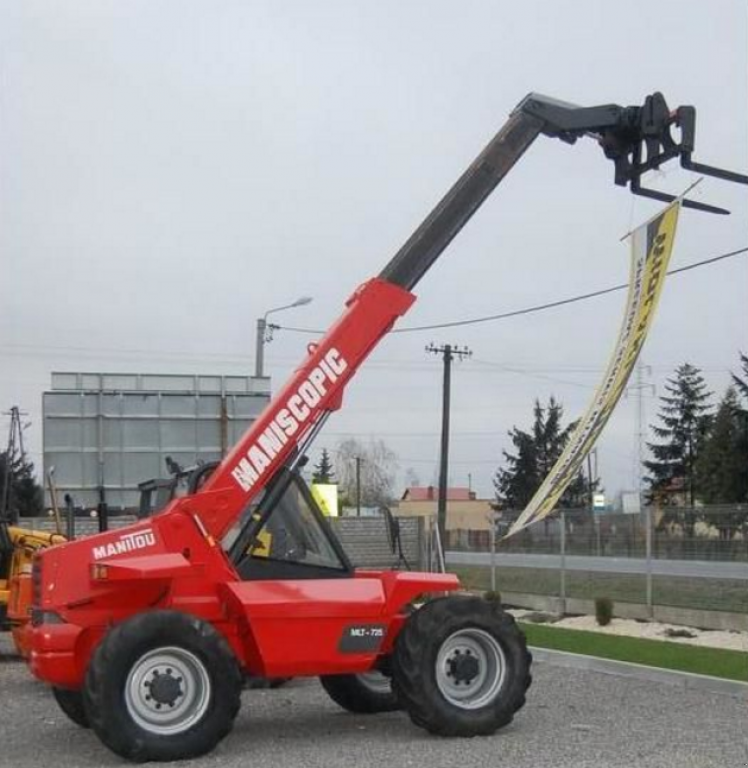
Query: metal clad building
{"points": [[115, 430]]}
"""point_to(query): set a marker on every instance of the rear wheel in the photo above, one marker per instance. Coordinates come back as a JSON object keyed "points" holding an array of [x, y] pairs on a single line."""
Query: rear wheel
{"points": [[162, 686], [461, 667], [366, 693], [71, 703], [263, 683]]}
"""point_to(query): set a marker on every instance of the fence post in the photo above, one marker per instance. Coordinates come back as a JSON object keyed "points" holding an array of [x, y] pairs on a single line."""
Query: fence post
{"points": [[563, 563], [70, 516], [648, 539], [492, 534]]}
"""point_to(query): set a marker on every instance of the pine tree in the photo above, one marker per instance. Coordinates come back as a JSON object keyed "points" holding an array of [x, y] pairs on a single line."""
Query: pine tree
{"points": [[25, 497], [721, 469], [536, 453], [323, 470], [742, 384], [742, 391], [684, 423]]}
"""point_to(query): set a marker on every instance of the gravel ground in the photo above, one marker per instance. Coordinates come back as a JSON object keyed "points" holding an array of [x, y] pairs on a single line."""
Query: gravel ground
{"points": [[572, 718]]}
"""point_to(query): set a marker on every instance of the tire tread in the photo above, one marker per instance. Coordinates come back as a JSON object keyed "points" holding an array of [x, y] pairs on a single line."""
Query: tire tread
{"points": [[414, 666], [132, 637]]}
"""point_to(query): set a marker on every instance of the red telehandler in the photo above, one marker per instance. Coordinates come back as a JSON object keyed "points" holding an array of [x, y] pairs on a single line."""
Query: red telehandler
{"points": [[145, 634]]}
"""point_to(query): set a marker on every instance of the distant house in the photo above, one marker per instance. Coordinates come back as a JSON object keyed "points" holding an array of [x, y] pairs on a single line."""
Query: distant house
{"points": [[672, 493], [468, 518], [430, 493]]}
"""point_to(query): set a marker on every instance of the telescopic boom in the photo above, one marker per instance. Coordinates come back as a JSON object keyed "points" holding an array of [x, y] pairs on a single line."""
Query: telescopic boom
{"points": [[637, 140]]}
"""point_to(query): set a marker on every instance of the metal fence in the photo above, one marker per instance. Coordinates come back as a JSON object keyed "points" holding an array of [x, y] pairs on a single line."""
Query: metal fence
{"points": [[688, 558], [700, 533], [367, 541]]}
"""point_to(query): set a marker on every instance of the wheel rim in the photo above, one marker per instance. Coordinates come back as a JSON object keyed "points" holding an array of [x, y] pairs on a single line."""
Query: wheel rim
{"points": [[167, 690], [375, 682], [470, 668]]}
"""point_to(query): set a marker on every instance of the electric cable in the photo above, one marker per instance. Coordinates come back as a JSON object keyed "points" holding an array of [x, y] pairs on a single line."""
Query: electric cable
{"points": [[535, 308]]}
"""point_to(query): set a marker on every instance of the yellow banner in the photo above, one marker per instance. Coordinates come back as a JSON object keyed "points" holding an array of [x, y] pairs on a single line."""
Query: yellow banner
{"points": [[651, 247], [326, 496]]}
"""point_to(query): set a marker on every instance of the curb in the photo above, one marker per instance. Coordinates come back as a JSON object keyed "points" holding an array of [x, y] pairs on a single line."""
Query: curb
{"points": [[688, 681]]}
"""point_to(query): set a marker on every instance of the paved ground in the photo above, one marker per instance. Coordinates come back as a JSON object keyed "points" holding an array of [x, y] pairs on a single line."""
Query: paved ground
{"points": [[702, 568], [572, 719]]}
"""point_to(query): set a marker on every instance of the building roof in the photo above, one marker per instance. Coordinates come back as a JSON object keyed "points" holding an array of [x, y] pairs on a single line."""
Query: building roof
{"points": [[430, 493]]}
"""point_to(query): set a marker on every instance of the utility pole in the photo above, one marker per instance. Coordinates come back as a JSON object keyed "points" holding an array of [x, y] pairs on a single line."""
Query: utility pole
{"points": [[15, 442], [358, 486], [448, 353], [641, 436], [590, 484], [591, 488], [641, 428], [265, 333]]}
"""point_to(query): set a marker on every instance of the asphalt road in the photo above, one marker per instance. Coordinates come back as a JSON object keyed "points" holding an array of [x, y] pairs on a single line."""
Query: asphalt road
{"points": [[572, 719], [689, 568]]}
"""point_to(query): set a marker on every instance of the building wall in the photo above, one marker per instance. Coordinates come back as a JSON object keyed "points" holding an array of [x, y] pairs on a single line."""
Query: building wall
{"points": [[116, 430], [469, 514]]}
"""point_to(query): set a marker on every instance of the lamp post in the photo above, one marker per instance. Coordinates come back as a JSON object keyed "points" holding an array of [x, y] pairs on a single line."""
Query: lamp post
{"points": [[262, 336]]}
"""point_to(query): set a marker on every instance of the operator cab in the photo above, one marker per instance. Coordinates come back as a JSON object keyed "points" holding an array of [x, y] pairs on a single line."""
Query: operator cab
{"points": [[281, 535], [286, 536]]}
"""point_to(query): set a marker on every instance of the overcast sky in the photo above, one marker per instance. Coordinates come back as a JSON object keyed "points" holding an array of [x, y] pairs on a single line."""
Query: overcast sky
{"points": [[170, 171]]}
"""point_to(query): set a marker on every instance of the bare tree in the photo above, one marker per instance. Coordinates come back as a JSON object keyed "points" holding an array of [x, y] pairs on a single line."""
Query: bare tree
{"points": [[412, 480], [377, 465]]}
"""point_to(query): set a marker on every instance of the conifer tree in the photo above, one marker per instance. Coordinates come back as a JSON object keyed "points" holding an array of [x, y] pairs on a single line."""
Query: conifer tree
{"points": [[537, 450], [684, 423], [323, 470], [721, 469], [25, 497]]}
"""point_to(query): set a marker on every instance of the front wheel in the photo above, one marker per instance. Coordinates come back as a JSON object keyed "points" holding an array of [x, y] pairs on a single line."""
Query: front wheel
{"points": [[71, 703], [162, 686], [461, 667], [366, 693]]}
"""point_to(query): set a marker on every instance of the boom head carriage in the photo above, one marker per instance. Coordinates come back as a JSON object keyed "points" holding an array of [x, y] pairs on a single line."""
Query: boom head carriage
{"points": [[636, 139]]}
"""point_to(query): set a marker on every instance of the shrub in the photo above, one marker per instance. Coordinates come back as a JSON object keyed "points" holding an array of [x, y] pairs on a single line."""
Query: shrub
{"points": [[603, 610], [493, 596], [670, 632]]}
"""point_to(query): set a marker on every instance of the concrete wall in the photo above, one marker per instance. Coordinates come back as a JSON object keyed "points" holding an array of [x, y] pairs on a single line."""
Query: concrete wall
{"points": [[366, 542], [687, 617]]}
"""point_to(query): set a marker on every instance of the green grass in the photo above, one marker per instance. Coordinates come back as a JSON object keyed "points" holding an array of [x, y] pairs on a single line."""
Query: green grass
{"points": [[705, 594], [732, 665]]}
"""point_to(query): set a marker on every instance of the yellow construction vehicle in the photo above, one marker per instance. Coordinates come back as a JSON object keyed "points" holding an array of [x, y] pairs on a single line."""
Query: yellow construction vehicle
{"points": [[17, 549]]}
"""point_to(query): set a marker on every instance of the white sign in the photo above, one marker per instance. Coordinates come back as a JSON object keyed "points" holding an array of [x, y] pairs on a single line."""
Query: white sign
{"points": [[631, 503]]}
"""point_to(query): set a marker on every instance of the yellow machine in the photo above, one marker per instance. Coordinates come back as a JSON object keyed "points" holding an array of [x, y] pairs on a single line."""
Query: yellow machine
{"points": [[17, 549]]}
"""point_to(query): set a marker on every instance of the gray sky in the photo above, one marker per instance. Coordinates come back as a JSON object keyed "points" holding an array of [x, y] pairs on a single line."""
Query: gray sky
{"points": [[169, 171]]}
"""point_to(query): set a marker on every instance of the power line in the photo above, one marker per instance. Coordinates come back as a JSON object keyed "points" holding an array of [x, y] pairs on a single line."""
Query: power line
{"points": [[537, 307], [240, 359]]}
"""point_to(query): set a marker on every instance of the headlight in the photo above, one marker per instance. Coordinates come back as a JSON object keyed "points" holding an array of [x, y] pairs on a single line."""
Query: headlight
{"points": [[39, 617]]}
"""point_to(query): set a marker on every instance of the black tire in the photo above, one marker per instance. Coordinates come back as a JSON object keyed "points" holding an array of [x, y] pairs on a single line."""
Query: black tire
{"points": [[265, 683], [71, 703], [144, 651], [362, 694], [439, 686]]}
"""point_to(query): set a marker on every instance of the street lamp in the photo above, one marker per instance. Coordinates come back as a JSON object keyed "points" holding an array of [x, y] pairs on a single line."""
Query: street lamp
{"points": [[262, 326]]}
